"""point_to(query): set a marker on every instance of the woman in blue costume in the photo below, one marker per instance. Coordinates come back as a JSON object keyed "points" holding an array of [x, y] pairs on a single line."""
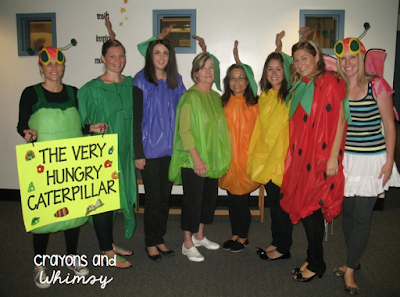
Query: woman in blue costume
{"points": [[109, 99], [48, 111], [202, 154], [157, 90]]}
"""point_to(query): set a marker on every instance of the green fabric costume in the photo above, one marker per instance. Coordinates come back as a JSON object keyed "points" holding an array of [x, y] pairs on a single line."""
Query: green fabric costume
{"points": [[113, 104], [210, 133], [54, 121]]}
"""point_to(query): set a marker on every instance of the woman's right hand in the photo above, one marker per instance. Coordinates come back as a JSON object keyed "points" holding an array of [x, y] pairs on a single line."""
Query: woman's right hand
{"points": [[99, 128], [200, 168], [140, 163], [30, 135]]}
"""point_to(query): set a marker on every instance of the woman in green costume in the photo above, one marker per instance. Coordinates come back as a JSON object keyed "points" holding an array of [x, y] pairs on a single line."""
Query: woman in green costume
{"points": [[201, 155], [109, 99], [48, 111]]}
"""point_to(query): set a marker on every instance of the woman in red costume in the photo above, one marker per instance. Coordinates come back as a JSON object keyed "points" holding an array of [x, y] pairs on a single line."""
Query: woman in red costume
{"points": [[241, 113], [313, 181]]}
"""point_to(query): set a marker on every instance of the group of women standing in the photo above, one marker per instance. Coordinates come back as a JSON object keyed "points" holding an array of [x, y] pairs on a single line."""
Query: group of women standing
{"points": [[292, 139]]}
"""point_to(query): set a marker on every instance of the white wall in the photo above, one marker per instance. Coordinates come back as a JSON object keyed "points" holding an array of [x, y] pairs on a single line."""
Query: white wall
{"points": [[253, 22]]}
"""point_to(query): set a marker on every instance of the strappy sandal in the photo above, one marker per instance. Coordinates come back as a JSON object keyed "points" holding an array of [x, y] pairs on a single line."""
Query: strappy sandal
{"points": [[117, 258], [121, 251], [339, 273], [123, 261], [352, 290]]}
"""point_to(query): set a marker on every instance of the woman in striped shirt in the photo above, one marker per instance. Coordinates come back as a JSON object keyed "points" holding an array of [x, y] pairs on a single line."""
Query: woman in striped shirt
{"points": [[368, 161]]}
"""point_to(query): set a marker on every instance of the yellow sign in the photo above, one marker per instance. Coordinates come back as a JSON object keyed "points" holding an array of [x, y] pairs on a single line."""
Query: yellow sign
{"points": [[68, 179]]}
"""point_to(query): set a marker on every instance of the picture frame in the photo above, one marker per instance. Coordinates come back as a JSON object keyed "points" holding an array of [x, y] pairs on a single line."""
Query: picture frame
{"points": [[180, 35], [328, 27], [35, 30]]}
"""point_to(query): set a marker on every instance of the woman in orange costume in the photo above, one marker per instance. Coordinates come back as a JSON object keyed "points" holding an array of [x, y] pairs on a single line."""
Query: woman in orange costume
{"points": [[241, 113]]}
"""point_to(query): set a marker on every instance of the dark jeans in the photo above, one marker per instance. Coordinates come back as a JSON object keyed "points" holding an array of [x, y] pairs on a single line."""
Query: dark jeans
{"points": [[158, 191], [357, 213], [281, 226], [314, 227], [103, 225], [239, 214], [40, 241], [200, 196]]}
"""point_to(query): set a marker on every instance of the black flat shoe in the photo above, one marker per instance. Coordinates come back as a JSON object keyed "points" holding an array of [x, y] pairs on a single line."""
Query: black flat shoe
{"points": [[238, 246], [295, 271], [299, 277], [169, 253], [261, 251], [228, 244], [283, 257], [155, 258]]}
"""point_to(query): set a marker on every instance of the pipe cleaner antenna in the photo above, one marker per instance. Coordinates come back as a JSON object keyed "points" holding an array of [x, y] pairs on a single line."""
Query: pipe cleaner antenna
{"points": [[32, 51], [367, 26]]}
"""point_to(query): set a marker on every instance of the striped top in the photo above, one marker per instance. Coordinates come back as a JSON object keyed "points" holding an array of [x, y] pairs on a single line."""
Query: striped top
{"points": [[364, 134]]}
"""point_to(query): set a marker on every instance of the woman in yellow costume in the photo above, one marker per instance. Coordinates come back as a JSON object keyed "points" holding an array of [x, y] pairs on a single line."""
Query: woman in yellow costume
{"points": [[268, 148], [240, 109]]}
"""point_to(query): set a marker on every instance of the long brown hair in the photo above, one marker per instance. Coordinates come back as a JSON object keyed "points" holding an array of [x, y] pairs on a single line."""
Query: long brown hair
{"points": [[266, 85], [313, 49]]}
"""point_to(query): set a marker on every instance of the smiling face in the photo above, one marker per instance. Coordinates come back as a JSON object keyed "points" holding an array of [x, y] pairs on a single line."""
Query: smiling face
{"points": [[206, 73], [238, 82], [52, 71], [305, 63], [114, 59], [160, 57], [349, 64], [275, 74]]}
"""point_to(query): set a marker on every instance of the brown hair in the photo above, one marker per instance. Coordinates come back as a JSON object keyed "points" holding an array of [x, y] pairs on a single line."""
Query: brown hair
{"points": [[313, 49], [110, 43]]}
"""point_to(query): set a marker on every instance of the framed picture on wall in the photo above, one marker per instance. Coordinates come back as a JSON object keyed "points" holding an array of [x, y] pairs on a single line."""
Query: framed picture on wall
{"points": [[180, 35], [328, 27], [35, 30]]}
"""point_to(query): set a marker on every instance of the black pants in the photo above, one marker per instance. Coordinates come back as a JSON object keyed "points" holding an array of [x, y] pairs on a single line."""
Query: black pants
{"points": [[200, 196], [40, 241], [158, 191], [314, 227], [239, 214], [281, 226], [357, 213], [103, 225]]}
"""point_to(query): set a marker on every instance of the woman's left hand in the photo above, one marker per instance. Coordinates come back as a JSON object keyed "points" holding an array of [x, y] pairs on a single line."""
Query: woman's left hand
{"points": [[386, 172], [332, 167], [99, 128]]}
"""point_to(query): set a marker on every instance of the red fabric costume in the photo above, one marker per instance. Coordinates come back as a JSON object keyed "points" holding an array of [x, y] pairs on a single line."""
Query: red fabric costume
{"points": [[306, 187]]}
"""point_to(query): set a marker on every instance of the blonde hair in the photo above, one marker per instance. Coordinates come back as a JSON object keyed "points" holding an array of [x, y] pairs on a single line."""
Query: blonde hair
{"points": [[362, 76], [199, 62]]}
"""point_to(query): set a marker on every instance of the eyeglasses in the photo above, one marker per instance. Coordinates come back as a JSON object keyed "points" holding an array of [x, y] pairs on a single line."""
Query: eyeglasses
{"points": [[239, 78]]}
